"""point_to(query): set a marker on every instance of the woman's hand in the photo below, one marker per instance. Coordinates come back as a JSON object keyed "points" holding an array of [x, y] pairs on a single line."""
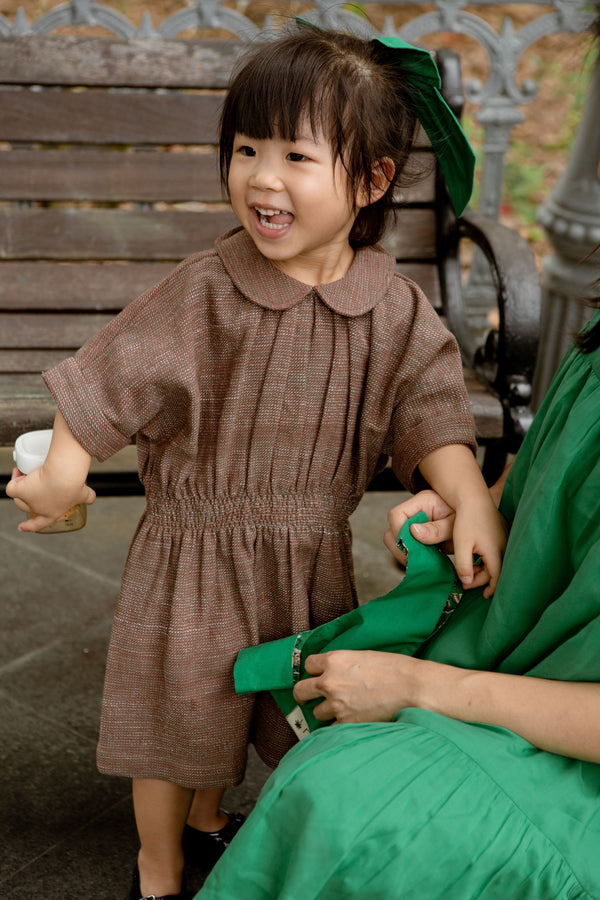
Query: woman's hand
{"points": [[359, 685], [372, 686], [437, 531], [46, 495]]}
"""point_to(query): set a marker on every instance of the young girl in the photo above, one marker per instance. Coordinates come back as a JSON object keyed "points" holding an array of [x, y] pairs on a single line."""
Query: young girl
{"points": [[266, 382]]}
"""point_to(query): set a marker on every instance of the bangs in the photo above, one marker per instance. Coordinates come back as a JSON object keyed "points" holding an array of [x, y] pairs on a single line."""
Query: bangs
{"points": [[279, 106], [278, 93]]}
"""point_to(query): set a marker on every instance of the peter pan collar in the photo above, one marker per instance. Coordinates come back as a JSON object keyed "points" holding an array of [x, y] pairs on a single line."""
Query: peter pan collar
{"points": [[361, 288]]}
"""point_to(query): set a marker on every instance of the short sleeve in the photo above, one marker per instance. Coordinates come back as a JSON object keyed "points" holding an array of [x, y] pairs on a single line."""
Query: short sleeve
{"points": [[431, 408], [134, 375]]}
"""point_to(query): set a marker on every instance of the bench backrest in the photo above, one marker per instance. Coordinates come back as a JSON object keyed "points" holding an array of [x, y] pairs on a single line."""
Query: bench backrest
{"points": [[108, 177]]}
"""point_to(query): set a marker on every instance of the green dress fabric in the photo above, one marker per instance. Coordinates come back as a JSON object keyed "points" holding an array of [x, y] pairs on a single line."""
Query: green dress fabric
{"points": [[399, 622], [428, 807]]}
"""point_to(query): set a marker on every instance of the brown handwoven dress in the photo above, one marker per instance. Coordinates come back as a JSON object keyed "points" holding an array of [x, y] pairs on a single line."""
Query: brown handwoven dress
{"points": [[262, 409]]}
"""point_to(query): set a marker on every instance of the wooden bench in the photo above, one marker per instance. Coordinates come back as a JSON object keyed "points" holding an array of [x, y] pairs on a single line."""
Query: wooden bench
{"points": [[108, 178]]}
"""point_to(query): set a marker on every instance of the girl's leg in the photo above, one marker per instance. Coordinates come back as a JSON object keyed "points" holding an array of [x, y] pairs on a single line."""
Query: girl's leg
{"points": [[209, 830], [161, 809], [205, 813]]}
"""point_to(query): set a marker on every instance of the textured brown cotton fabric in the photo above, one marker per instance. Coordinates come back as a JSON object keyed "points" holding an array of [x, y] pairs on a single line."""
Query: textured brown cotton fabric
{"points": [[262, 409]]}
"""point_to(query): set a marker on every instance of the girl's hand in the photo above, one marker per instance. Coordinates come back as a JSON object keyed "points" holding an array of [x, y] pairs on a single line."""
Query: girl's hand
{"points": [[359, 685], [46, 495], [479, 530]]}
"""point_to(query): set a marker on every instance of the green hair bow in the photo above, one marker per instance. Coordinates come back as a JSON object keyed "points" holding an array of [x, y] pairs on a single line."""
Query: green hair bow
{"points": [[419, 72]]}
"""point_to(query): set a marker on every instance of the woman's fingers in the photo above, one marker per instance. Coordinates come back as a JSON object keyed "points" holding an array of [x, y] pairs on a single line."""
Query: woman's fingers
{"points": [[433, 532], [308, 689]]}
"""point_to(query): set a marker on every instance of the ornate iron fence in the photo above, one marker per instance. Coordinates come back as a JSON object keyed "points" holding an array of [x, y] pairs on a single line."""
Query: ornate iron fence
{"points": [[497, 100]]}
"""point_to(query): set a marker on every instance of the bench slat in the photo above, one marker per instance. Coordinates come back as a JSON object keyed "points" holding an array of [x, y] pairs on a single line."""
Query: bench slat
{"points": [[108, 233], [24, 414], [100, 117], [486, 408], [30, 361], [73, 60], [108, 176], [413, 235], [427, 277], [155, 235], [66, 331], [26, 405], [76, 286]]}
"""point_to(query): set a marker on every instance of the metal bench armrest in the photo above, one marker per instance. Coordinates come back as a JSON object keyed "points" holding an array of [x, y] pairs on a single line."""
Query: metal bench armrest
{"points": [[505, 363]]}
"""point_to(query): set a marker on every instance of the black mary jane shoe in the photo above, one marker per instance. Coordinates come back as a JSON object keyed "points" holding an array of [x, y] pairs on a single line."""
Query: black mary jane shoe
{"points": [[136, 892], [204, 848]]}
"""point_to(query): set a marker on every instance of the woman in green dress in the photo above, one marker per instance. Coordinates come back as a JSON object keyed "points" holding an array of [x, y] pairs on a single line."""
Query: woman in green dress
{"points": [[471, 769]]}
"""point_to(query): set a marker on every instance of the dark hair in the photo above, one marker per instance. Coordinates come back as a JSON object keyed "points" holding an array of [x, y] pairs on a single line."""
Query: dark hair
{"points": [[589, 340], [335, 81]]}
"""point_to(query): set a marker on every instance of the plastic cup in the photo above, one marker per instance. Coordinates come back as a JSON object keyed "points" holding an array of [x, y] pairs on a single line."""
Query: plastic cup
{"points": [[30, 452]]}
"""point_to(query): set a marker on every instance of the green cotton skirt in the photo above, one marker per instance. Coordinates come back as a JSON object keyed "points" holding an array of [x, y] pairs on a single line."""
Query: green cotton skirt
{"points": [[413, 809]]}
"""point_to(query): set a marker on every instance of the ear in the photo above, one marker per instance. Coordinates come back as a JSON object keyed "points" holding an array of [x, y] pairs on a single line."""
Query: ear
{"points": [[381, 178]]}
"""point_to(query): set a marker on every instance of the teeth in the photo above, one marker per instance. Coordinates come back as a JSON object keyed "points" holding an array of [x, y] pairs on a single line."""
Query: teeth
{"points": [[265, 214]]}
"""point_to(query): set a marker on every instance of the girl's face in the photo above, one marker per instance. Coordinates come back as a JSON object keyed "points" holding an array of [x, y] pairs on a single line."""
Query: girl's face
{"points": [[295, 202]]}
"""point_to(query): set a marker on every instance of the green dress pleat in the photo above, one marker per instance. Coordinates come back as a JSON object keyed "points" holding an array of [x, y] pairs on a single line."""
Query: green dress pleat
{"points": [[427, 807]]}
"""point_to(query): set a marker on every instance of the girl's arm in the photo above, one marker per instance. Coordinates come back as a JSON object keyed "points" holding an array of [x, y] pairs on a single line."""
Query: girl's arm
{"points": [[58, 485], [366, 686], [478, 527]]}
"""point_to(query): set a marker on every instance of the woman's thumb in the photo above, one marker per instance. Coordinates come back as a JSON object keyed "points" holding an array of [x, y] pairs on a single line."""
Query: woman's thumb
{"points": [[432, 532]]}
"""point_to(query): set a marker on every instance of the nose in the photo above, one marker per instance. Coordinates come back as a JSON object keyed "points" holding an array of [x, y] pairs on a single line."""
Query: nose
{"points": [[265, 175]]}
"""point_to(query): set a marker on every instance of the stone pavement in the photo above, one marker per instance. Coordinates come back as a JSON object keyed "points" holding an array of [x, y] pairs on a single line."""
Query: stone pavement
{"points": [[65, 830]]}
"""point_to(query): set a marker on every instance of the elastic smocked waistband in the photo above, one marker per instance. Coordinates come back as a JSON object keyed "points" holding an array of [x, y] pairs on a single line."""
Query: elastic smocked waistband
{"points": [[319, 512]]}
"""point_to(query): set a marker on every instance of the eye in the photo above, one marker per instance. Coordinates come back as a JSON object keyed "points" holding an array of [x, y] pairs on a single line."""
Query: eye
{"points": [[245, 150], [296, 157]]}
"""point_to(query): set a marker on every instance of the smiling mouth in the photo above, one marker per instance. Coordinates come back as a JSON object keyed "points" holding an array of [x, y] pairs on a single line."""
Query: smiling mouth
{"points": [[275, 219]]}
